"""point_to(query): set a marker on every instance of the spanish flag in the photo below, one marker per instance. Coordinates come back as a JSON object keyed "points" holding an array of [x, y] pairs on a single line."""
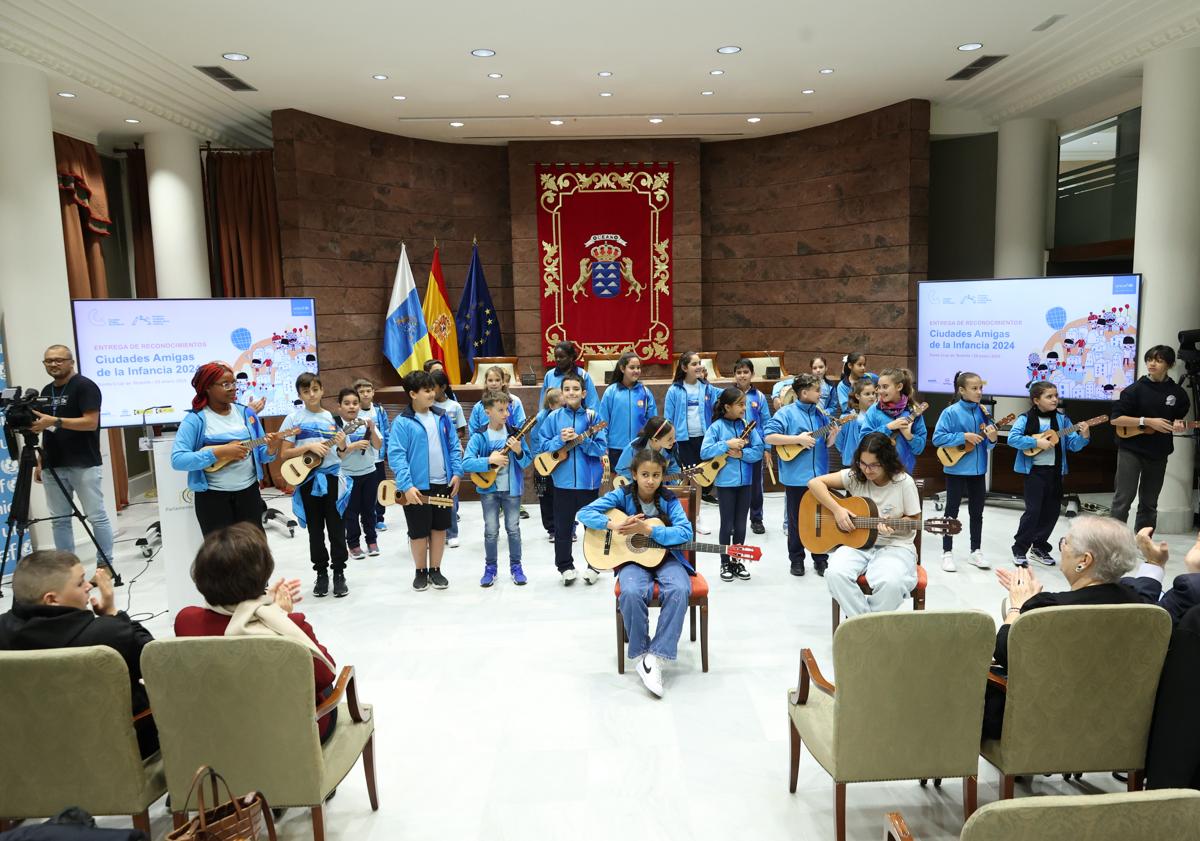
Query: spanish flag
{"points": [[443, 336]]}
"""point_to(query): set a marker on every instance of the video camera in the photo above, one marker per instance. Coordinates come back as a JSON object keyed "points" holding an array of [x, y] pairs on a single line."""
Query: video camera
{"points": [[19, 406]]}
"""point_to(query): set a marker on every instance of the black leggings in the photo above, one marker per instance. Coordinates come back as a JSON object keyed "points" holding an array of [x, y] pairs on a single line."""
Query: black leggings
{"points": [[975, 488], [218, 509], [735, 508], [688, 452]]}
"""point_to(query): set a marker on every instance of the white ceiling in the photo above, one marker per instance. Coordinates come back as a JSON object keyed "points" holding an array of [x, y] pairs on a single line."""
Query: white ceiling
{"points": [[134, 59]]}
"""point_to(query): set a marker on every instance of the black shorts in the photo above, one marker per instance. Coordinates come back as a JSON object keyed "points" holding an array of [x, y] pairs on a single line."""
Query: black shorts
{"points": [[422, 519]]}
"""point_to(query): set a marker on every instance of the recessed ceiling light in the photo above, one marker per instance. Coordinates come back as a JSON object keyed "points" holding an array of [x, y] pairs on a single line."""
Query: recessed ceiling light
{"points": [[132, 121], [825, 71], [379, 77], [483, 53], [754, 119], [656, 120], [807, 91], [556, 122], [66, 94], [606, 93], [495, 75], [604, 74], [1095, 142], [716, 72], [706, 93], [730, 50], [456, 124], [967, 48], [235, 56], [399, 97], [501, 96]]}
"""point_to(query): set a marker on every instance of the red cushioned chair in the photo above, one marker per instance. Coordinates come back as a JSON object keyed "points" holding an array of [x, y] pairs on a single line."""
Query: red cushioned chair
{"points": [[689, 498]]}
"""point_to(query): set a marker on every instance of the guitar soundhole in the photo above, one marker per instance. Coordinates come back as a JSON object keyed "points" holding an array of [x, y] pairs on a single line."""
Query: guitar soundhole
{"points": [[637, 543]]}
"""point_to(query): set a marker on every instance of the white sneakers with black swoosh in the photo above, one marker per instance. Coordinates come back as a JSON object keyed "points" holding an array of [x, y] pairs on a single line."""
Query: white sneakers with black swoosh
{"points": [[651, 674]]}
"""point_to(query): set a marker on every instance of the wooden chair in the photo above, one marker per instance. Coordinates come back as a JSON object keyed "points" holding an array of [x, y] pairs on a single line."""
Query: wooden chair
{"points": [[689, 498], [764, 359], [508, 363], [709, 358], [918, 593], [598, 365]]}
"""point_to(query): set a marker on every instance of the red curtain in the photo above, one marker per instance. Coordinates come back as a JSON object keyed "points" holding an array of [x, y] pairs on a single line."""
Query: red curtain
{"points": [[145, 281]]}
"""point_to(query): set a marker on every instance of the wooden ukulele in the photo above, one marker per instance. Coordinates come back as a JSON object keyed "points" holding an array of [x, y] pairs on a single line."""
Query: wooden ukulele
{"points": [[608, 548], [787, 452], [1132, 431], [297, 468], [1053, 436], [488, 477], [916, 413], [547, 461], [951, 456], [708, 470], [819, 532], [620, 481], [386, 495], [250, 445]]}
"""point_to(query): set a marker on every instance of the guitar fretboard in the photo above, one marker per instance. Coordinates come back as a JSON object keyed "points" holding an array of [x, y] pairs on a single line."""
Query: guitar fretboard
{"points": [[715, 548], [570, 445], [876, 522]]}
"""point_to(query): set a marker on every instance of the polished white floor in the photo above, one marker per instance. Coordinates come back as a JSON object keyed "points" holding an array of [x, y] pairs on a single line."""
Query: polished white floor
{"points": [[500, 713]]}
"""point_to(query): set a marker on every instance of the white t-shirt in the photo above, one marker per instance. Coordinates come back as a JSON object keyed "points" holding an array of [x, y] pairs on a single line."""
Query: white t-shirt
{"points": [[359, 462], [1044, 458], [437, 462], [898, 498], [452, 408], [314, 426], [231, 427], [695, 409], [500, 435]]}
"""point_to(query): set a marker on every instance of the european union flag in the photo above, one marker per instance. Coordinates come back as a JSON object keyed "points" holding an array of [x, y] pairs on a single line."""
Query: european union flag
{"points": [[478, 325]]}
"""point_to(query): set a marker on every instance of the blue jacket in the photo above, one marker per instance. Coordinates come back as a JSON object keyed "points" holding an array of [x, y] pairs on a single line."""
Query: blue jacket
{"points": [[837, 400], [408, 449], [594, 516], [758, 408], [478, 421], [876, 420], [737, 471], [553, 379], [379, 415], [624, 465], [186, 453], [675, 407], [1019, 441], [582, 470], [955, 421], [793, 419], [849, 435], [479, 447], [626, 411]]}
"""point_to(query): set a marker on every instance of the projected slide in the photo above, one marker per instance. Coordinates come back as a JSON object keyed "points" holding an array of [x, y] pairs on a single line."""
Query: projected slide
{"points": [[143, 353], [1079, 333]]}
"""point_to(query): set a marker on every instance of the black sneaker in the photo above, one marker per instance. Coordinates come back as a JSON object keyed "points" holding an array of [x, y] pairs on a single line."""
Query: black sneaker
{"points": [[438, 580], [710, 498], [757, 527], [739, 569], [797, 567], [726, 571], [524, 514], [339, 585], [421, 581], [820, 567], [321, 588]]}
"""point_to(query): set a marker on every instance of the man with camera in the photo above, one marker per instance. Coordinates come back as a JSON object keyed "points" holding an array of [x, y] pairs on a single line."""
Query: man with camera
{"points": [[71, 451]]}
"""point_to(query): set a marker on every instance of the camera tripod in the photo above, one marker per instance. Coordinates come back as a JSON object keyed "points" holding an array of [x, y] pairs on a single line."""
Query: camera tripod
{"points": [[18, 515]]}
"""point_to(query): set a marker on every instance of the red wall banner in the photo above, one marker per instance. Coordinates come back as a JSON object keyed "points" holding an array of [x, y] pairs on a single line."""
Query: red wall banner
{"points": [[604, 233]]}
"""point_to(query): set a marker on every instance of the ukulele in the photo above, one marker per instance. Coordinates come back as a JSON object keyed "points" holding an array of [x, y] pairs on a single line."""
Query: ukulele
{"points": [[819, 532], [608, 548], [1131, 431], [620, 481], [488, 477], [297, 468], [708, 471], [951, 456], [386, 495], [250, 445], [547, 461], [787, 452], [1053, 437], [916, 413]]}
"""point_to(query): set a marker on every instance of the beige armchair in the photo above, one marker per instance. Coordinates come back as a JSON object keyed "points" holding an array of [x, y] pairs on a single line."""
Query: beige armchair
{"points": [[600, 364], [482, 363], [244, 705], [65, 722], [1167, 815], [908, 704], [1080, 691], [765, 359]]}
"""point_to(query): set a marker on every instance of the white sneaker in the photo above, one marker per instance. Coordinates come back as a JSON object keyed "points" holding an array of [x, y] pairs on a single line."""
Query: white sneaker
{"points": [[701, 528], [650, 673], [976, 559], [452, 543], [569, 576], [948, 562], [591, 576]]}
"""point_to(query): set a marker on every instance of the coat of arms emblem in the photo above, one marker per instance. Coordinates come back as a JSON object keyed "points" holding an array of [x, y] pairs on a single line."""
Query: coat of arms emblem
{"points": [[607, 272]]}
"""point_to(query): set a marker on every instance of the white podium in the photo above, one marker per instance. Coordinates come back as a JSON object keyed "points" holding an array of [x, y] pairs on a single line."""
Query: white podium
{"points": [[181, 536]]}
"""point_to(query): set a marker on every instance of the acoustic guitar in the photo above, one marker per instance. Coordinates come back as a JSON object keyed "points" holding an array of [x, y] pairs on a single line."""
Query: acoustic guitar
{"points": [[386, 495], [608, 548], [1133, 431], [1053, 436], [488, 477], [951, 456], [620, 481], [547, 461], [707, 474], [787, 452], [297, 468], [250, 445], [819, 531]]}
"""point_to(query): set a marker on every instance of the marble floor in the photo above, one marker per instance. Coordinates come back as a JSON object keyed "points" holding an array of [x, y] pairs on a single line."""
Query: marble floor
{"points": [[500, 713]]}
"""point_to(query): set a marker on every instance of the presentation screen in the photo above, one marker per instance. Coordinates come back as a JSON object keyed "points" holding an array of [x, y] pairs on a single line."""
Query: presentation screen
{"points": [[143, 352], [1079, 333]]}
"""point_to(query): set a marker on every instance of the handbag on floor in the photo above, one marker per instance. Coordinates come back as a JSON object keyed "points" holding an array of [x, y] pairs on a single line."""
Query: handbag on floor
{"points": [[246, 818]]}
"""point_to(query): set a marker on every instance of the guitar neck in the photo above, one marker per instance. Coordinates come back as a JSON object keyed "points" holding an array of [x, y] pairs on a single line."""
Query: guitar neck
{"points": [[583, 436], [691, 546], [891, 522]]}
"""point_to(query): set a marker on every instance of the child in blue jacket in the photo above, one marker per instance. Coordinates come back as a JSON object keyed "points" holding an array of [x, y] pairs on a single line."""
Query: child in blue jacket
{"points": [[542, 485], [964, 422], [564, 363], [689, 406], [758, 409], [895, 416], [1043, 472], [626, 406], [734, 479], [659, 435], [862, 398]]}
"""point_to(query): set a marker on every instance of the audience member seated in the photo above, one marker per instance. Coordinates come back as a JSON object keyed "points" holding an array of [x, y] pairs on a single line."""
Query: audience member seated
{"points": [[232, 571], [1185, 591], [51, 596], [1173, 750]]}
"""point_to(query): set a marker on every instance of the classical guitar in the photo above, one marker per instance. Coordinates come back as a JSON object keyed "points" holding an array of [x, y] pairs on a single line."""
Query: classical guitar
{"points": [[916, 413], [1132, 431], [710, 468], [819, 531], [547, 461], [951, 456], [250, 445], [297, 468], [386, 495], [488, 477], [1053, 437], [787, 452], [608, 548], [620, 481]]}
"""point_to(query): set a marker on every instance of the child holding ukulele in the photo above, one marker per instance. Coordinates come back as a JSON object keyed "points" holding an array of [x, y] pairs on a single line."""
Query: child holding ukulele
{"points": [[625, 406], [964, 422], [758, 409], [734, 480], [542, 484], [896, 415]]}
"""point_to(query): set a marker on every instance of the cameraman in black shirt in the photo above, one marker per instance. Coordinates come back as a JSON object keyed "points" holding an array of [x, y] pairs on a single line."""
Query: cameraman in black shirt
{"points": [[71, 447]]}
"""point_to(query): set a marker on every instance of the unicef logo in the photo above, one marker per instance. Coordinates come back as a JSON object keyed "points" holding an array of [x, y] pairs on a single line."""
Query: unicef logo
{"points": [[187, 496]]}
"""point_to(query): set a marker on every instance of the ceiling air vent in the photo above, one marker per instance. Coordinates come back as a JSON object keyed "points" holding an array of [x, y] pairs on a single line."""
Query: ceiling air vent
{"points": [[220, 74], [1048, 22], [976, 67]]}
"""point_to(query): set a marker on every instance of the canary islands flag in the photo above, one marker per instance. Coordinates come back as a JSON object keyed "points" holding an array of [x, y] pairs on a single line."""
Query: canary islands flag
{"points": [[443, 337], [405, 336]]}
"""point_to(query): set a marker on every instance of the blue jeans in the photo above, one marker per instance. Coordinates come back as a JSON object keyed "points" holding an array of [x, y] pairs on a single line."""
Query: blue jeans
{"points": [[492, 504], [85, 483], [637, 587]]}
